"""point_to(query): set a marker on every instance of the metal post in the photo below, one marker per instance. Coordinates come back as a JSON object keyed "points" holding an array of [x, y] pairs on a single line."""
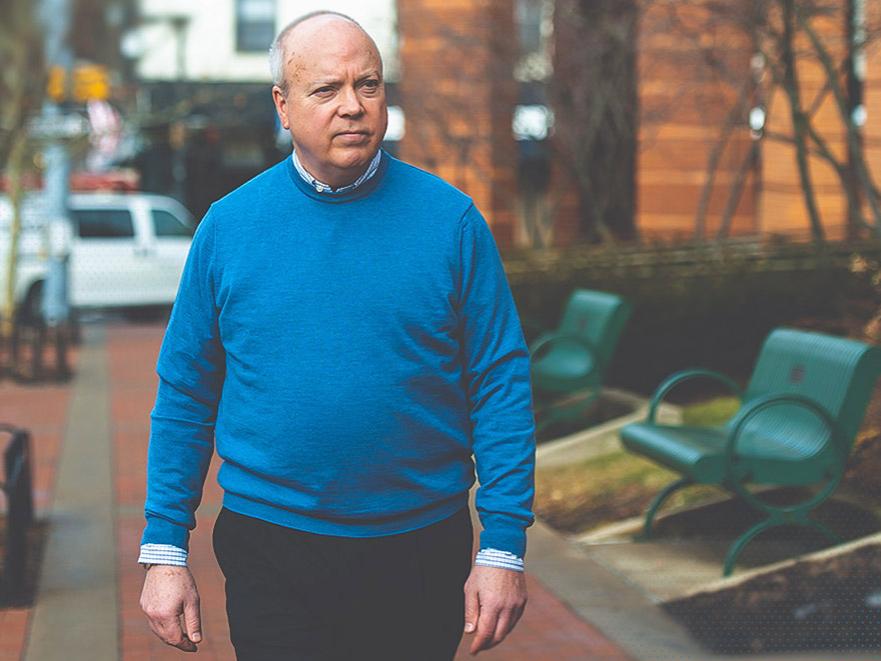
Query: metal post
{"points": [[55, 16]]}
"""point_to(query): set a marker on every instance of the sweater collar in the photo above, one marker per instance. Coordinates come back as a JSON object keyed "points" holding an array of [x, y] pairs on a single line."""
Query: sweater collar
{"points": [[360, 188], [321, 187]]}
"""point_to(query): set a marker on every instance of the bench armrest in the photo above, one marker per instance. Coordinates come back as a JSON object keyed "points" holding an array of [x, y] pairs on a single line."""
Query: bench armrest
{"points": [[747, 413], [555, 338], [675, 379]]}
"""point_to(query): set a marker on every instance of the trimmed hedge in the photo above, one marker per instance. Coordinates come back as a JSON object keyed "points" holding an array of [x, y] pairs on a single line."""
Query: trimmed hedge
{"points": [[694, 306]]}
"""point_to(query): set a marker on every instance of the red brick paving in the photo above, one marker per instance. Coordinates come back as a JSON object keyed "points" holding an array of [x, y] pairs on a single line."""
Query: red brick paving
{"points": [[548, 630], [41, 409], [131, 353]]}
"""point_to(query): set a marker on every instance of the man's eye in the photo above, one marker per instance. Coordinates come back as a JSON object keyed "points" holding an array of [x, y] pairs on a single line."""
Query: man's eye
{"points": [[371, 84], [324, 91]]}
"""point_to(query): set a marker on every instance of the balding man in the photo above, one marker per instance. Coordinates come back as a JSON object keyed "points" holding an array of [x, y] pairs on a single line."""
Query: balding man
{"points": [[345, 336]]}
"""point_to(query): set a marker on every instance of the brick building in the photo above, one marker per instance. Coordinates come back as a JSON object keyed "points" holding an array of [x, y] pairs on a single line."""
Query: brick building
{"points": [[459, 95], [684, 101]]}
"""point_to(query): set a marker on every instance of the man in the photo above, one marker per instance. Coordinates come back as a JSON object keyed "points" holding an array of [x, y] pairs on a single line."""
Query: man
{"points": [[345, 335]]}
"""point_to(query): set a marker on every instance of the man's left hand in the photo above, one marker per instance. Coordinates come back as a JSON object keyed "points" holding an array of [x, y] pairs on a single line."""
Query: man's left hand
{"points": [[494, 600]]}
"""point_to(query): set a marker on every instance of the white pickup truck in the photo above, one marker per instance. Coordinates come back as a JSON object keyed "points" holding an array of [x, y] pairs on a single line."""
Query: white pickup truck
{"points": [[127, 249]]}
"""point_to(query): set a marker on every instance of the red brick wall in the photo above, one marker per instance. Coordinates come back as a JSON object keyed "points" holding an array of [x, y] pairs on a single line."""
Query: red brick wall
{"points": [[683, 103], [458, 93]]}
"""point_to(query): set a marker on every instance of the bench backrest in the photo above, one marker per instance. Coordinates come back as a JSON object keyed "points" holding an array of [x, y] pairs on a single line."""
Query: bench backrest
{"points": [[837, 373], [598, 317]]}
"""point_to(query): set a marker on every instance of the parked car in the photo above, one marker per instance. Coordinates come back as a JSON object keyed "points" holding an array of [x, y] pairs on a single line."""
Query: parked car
{"points": [[127, 250]]}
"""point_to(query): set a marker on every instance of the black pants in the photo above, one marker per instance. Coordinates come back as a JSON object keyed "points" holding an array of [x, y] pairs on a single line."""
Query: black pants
{"points": [[297, 595]]}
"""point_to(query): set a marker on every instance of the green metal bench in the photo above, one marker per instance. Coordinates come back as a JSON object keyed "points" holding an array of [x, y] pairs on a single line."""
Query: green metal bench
{"points": [[570, 363], [796, 425]]}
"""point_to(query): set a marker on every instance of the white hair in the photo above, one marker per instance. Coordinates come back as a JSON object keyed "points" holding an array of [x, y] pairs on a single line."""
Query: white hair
{"points": [[277, 50]]}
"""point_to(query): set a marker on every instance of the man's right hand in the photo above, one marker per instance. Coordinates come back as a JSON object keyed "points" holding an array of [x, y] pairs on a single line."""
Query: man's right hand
{"points": [[169, 593]]}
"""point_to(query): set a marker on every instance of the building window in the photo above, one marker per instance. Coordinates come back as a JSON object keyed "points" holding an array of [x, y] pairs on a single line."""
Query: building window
{"points": [[255, 25]]}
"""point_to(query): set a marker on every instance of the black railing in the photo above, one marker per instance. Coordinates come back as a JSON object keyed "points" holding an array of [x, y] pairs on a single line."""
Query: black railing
{"points": [[17, 487], [23, 353]]}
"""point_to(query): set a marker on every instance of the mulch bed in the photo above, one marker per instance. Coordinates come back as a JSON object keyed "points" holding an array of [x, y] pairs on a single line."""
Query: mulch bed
{"points": [[829, 604]]}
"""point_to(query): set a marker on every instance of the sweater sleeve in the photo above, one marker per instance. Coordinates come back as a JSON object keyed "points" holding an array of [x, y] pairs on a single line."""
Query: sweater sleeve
{"points": [[191, 368], [496, 363]]}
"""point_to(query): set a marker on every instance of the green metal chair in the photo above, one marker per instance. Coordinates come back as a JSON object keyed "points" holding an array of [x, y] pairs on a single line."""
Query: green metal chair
{"points": [[570, 363], [796, 425]]}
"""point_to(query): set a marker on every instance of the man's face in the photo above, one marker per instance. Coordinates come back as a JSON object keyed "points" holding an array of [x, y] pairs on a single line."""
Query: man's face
{"points": [[335, 102]]}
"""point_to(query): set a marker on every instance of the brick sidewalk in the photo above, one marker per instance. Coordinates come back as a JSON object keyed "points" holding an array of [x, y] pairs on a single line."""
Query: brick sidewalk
{"points": [[548, 630], [41, 409]]}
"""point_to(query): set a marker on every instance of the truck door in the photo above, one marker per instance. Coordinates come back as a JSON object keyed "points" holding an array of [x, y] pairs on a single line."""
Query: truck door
{"points": [[173, 231], [108, 260]]}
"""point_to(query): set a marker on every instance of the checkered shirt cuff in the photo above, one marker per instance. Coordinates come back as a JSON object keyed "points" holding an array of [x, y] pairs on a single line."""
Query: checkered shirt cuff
{"points": [[501, 559], [163, 554]]}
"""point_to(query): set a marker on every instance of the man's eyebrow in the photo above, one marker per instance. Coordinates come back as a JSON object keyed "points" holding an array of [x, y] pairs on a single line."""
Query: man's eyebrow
{"points": [[324, 81], [371, 73]]}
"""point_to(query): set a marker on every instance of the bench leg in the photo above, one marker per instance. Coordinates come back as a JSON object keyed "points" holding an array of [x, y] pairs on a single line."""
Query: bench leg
{"points": [[791, 519], [832, 536], [742, 541], [792, 515], [658, 501]]}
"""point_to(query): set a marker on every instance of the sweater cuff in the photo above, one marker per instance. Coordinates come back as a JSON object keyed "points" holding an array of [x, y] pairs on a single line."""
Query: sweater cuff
{"points": [[500, 559], [507, 537], [164, 532], [163, 554]]}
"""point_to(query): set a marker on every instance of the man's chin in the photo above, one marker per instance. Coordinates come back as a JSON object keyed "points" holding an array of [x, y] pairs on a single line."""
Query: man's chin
{"points": [[355, 158]]}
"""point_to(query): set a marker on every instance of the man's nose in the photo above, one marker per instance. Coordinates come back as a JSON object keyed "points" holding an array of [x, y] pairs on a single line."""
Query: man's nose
{"points": [[350, 103]]}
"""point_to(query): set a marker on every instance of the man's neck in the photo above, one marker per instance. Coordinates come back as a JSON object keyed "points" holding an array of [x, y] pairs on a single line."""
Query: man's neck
{"points": [[346, 182]]}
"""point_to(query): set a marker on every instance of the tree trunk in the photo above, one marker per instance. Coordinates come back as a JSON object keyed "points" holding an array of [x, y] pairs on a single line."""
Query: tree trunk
{"points": [[799, 120], [731, 122], [14, 169], [858, 171], [746, 165]]}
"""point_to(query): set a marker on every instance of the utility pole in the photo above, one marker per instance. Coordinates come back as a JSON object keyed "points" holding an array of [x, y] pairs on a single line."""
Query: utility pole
{"points": [[55, 18]]}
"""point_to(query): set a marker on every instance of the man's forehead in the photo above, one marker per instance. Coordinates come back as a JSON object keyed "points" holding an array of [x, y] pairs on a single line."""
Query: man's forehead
{"points": [[330, 38], [314, 66]]}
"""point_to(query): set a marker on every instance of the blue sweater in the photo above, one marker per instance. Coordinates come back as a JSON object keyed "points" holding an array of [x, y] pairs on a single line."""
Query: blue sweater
{"points": [[346, 354]]}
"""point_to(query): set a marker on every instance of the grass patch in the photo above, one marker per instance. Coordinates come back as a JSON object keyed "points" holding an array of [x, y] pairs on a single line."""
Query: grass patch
{"points": [[621, 485], [618, 485], [712, 412]]}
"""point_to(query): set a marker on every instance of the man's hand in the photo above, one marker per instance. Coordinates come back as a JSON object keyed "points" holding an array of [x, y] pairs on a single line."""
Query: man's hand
{"points": [[494, 600], [169, 593]]}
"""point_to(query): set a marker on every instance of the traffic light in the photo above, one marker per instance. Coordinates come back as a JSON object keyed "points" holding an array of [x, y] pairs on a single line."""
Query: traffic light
{"points": [[90, 83], [57, 84]]}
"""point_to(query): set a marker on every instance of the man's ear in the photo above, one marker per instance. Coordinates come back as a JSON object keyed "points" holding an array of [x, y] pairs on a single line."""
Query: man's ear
{"points": [[281, 106]]}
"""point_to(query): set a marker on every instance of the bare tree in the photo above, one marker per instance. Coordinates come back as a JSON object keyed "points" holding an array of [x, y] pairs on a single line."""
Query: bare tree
{"points": [[22, 81], [453, 123], [786, 38], [593, 93]]}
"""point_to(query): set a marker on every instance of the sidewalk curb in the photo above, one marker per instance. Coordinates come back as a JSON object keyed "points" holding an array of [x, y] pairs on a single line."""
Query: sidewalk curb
{"points": [[618, 609], [76, 610]]}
